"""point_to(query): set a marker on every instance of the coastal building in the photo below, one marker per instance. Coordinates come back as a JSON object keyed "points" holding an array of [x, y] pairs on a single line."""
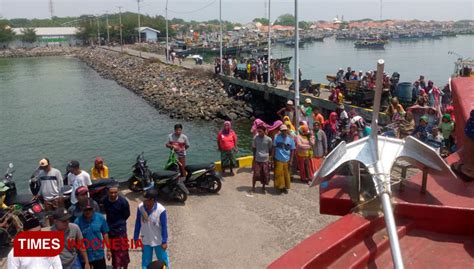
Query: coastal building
{"points": [[47, 36], [148, 34]]}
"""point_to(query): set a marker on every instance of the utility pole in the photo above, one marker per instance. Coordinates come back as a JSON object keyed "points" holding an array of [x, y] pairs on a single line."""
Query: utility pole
{"points": [[220, 35], [98, 29], [297, 64], [139, 35], [167, 44], [269, 45], [107, 23], [381, 9], [120, 22]]}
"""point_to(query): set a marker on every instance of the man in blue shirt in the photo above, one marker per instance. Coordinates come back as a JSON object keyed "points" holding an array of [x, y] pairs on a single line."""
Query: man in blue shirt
{"points": [[94, 229], [117, 211], [283, 152]]}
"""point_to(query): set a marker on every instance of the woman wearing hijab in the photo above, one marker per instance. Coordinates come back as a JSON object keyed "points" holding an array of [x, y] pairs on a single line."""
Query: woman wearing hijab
{"points": [[330, 128], [227, 144], [304, 153], [353, 134], [100, 170], [446, 126], [319, 144], [395, 110]]}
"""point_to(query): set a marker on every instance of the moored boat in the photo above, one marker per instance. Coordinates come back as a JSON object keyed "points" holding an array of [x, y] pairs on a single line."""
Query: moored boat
{"points": [[370, 44]]}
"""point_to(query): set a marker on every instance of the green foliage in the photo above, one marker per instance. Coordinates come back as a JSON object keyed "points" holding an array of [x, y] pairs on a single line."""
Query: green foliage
{"points": [[6, 33], [285, 20], [29, 35], [263, 21]]}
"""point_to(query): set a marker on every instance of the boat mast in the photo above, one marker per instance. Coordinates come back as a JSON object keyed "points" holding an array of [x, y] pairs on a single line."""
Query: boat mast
{"points": [[296, 76]]}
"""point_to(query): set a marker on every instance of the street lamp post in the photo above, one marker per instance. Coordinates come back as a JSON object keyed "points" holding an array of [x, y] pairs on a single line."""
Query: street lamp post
{"points": [[98, 30], [139, 35], [220, 35], [269, 45], [107, 24], [297, 71], [120, 22], [167, 45]]}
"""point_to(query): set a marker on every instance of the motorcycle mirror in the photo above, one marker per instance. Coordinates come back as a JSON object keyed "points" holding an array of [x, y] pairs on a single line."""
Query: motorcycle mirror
{"points": [[10, 165]]}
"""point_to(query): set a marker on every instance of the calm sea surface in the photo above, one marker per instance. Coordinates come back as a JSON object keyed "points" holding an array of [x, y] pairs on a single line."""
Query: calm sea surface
{"points": [[60, 108]]}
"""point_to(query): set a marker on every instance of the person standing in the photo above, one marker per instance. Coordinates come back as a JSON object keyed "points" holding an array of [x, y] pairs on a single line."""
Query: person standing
{"points": [[100, 170], [304, 154], [282, 153], [77, 178], [319, 143], [179, 142], [117, 211], [94, 228], [317, 116], [31, 223], [288, 110], [152, 225], [306, 111], [261, 147], [82, 195], [227, 145], [69, 257], [51, 182]]}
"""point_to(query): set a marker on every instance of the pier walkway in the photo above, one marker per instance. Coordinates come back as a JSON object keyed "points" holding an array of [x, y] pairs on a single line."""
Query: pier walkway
{"points": [[277, 94]]}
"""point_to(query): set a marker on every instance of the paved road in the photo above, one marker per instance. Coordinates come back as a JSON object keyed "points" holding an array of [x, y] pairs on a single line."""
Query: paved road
{"points": [[236, 229]]}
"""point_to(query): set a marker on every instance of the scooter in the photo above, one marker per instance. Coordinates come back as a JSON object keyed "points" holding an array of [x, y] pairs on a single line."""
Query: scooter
{"points": [[198, 176], [166, 182], [23, 202]]}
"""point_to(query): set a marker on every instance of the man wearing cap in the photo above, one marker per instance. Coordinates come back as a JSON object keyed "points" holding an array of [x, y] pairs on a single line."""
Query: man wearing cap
{"points": [[30, 223], [117, 211], [69, 257], [421, 131], [94, 229], [306, 112], [82, 195], [288, 110], [51, 182], [283, 152], [77, 178], [151, 223]]}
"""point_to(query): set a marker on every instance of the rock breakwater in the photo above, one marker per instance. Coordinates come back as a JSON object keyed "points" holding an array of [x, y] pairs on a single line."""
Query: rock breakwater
{"points": [[38, 52], [180, 93]]}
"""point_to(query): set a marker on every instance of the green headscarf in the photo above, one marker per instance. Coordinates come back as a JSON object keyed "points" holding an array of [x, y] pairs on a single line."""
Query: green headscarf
{"points": [[447, 116]]}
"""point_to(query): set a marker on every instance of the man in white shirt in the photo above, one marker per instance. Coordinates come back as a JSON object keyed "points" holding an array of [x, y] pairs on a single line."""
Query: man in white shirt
{"points": [[77, 178], [32, 224]]}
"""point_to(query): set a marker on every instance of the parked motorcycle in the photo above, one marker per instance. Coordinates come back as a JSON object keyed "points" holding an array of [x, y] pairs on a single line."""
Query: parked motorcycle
{"points": [[199, 176], [166, 182], [22, 202], [141, 178]]}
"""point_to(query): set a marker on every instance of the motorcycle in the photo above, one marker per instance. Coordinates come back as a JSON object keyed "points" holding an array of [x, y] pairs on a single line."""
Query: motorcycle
{"points": [[198, 176], [141, 178], [22, 202], [165, 182]]}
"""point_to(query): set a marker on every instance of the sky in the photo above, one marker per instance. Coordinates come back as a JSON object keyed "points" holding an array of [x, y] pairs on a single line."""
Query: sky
{"points": [[246, 10]]}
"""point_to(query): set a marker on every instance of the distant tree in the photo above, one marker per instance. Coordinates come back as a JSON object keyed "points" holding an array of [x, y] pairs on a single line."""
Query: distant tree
{"points": [[6, 33], [263, 21], [29, 35], [285, 20], [304, 25]]}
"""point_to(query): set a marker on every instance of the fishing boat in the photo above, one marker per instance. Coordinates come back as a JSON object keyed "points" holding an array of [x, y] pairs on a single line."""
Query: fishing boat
{"points": [[369, 44], [433, 210]]}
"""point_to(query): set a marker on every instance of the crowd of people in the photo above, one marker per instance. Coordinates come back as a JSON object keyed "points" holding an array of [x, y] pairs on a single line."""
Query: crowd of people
{"points": [[86, 220], [254, 69]]}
